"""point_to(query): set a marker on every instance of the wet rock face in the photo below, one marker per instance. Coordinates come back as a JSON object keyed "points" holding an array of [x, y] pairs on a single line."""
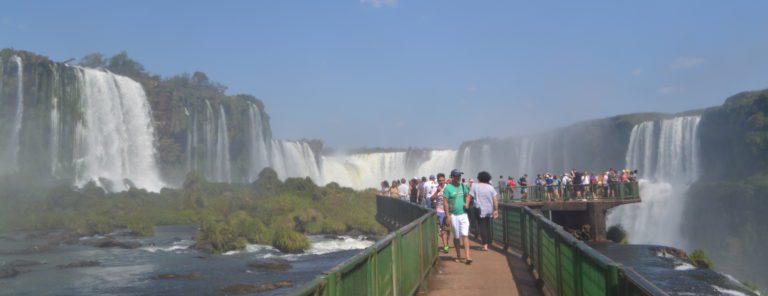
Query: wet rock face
{"points": [[269, 265], [240, 289], [203, 246], [79, 264]]}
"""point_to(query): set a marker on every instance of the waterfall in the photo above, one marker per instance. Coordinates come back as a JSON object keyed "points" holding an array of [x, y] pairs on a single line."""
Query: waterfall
{"points": [[640, 151], [658, 218], [55, 124], [210, 142], [191, 130], [294, 159], [222, 170], [16, 133], [114, 143], [257, 145]]}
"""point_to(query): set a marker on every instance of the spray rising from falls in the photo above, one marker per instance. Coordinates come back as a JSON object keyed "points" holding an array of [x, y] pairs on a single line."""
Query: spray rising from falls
{"points": [[258, 157], [667, 158], [114, 143]]}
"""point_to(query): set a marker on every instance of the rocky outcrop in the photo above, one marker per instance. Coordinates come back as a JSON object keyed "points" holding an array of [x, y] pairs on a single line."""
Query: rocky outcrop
{"points": [[80, 264], [268, 265], [180, 276], [240, 289], [109, 242]]}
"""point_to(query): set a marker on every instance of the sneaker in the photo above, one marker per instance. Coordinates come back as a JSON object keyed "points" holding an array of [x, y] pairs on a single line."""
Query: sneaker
{"points": [[445, 249]]}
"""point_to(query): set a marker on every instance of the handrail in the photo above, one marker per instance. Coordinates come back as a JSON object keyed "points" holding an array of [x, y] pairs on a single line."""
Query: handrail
{"points": [[394, 265], [401, 261], [615, 191], [564, 264]]}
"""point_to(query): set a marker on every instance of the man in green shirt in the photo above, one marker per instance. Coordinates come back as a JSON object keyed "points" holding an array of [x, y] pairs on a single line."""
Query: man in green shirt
{"points": [[456, 204]]}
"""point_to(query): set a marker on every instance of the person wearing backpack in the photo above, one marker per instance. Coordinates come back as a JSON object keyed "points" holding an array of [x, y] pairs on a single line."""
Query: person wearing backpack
{"points": [[456, 205]]}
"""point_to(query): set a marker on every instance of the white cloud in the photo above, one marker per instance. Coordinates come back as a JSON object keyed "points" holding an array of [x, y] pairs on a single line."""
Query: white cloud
{"points": [[379, 3], [687, 62], [667, 90]]}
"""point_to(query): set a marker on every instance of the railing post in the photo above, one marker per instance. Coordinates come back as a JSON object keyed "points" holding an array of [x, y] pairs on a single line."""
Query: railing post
{"points": [[504, 227]]}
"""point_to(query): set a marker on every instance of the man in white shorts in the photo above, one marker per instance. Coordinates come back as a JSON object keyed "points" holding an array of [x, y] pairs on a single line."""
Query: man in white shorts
{"points": [[456, 204]]}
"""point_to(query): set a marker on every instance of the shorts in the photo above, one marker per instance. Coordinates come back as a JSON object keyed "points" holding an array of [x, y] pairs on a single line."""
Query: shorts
{"points": [[460, 225], [441, 221]]}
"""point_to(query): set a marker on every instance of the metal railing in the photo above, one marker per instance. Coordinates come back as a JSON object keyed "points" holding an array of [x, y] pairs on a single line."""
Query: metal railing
{"points": [[564, 265], [616, 191], [395, 265]]}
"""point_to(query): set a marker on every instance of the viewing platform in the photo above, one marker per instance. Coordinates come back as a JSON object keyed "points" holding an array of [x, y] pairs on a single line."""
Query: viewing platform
{"points": [[531, 255]]}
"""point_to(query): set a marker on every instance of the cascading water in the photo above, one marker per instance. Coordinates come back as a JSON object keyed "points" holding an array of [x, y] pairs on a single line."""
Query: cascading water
{"points": [[294, 159], [16, 133], [222, 170], [258, 146], [115, 140], [55, 125], [210, 142], [663, 187]]}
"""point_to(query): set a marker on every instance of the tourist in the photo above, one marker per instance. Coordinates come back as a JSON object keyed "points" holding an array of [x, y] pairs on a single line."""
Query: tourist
{"points": [[414, 190], [394, 190], [422, 192], [502, 187], [384, 188], [556, 183], [510, 188], [486, 204], [430, 188], [456, 203], [438, 202], [404, 189], [577, 179], [585, 181], [523, 182]]}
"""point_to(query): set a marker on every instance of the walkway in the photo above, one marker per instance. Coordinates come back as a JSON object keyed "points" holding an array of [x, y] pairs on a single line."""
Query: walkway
{"points": [[492, 273]]}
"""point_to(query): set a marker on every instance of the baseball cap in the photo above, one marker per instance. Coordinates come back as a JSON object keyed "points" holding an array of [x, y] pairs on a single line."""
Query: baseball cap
{"points": [[456, 173], [431, 177]]}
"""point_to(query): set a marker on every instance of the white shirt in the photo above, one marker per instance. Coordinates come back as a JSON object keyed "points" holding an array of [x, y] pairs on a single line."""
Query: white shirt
{"points": [[430, 187], [585, 180], [403, 191]]}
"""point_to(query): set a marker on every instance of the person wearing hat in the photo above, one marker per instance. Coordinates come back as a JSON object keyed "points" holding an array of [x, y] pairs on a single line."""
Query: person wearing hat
{"points": [[456, 204]]}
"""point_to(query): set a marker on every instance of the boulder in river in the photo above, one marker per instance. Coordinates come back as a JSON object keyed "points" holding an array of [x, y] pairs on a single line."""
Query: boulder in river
{"points": [[174, 276], [23, 263], [9, 271], [239, 289], [203, 246], [79, 264], [109, 242], [268, 265]]}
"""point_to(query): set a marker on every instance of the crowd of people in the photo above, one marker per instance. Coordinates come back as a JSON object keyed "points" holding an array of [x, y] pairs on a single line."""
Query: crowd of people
{"points": [[455, 199]]}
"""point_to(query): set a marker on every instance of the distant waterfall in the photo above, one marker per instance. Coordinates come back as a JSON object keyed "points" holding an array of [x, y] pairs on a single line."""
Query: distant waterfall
{"points": [[55, 125], [672, 148], [222, 168], [16, 133], [210, 142], [114, 143], [365, 170], [640, 151], [294, 159], [257, 152]]}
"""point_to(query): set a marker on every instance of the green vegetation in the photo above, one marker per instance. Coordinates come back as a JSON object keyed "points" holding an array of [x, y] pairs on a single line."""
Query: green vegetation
{"points": [[266, 211], [701, 260]]}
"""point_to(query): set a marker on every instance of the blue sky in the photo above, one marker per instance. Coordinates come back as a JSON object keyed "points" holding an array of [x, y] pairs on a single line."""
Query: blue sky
{"points": [[400, 73]]}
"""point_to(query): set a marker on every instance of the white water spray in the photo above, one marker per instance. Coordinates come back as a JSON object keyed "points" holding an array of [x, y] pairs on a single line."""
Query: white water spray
{"points": [[115, 140], [658, 218]]}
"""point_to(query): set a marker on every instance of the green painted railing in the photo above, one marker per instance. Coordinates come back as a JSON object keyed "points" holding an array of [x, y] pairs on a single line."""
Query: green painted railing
{"points": [[564, 265], [620, 191], [395, 265]]}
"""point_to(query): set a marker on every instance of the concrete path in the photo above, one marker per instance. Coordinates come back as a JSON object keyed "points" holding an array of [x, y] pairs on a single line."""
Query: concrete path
{"points": [[494, 272]]}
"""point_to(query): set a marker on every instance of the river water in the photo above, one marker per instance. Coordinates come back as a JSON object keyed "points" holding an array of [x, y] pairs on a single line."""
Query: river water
{"points": [[676, 276], [135, 271]]}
